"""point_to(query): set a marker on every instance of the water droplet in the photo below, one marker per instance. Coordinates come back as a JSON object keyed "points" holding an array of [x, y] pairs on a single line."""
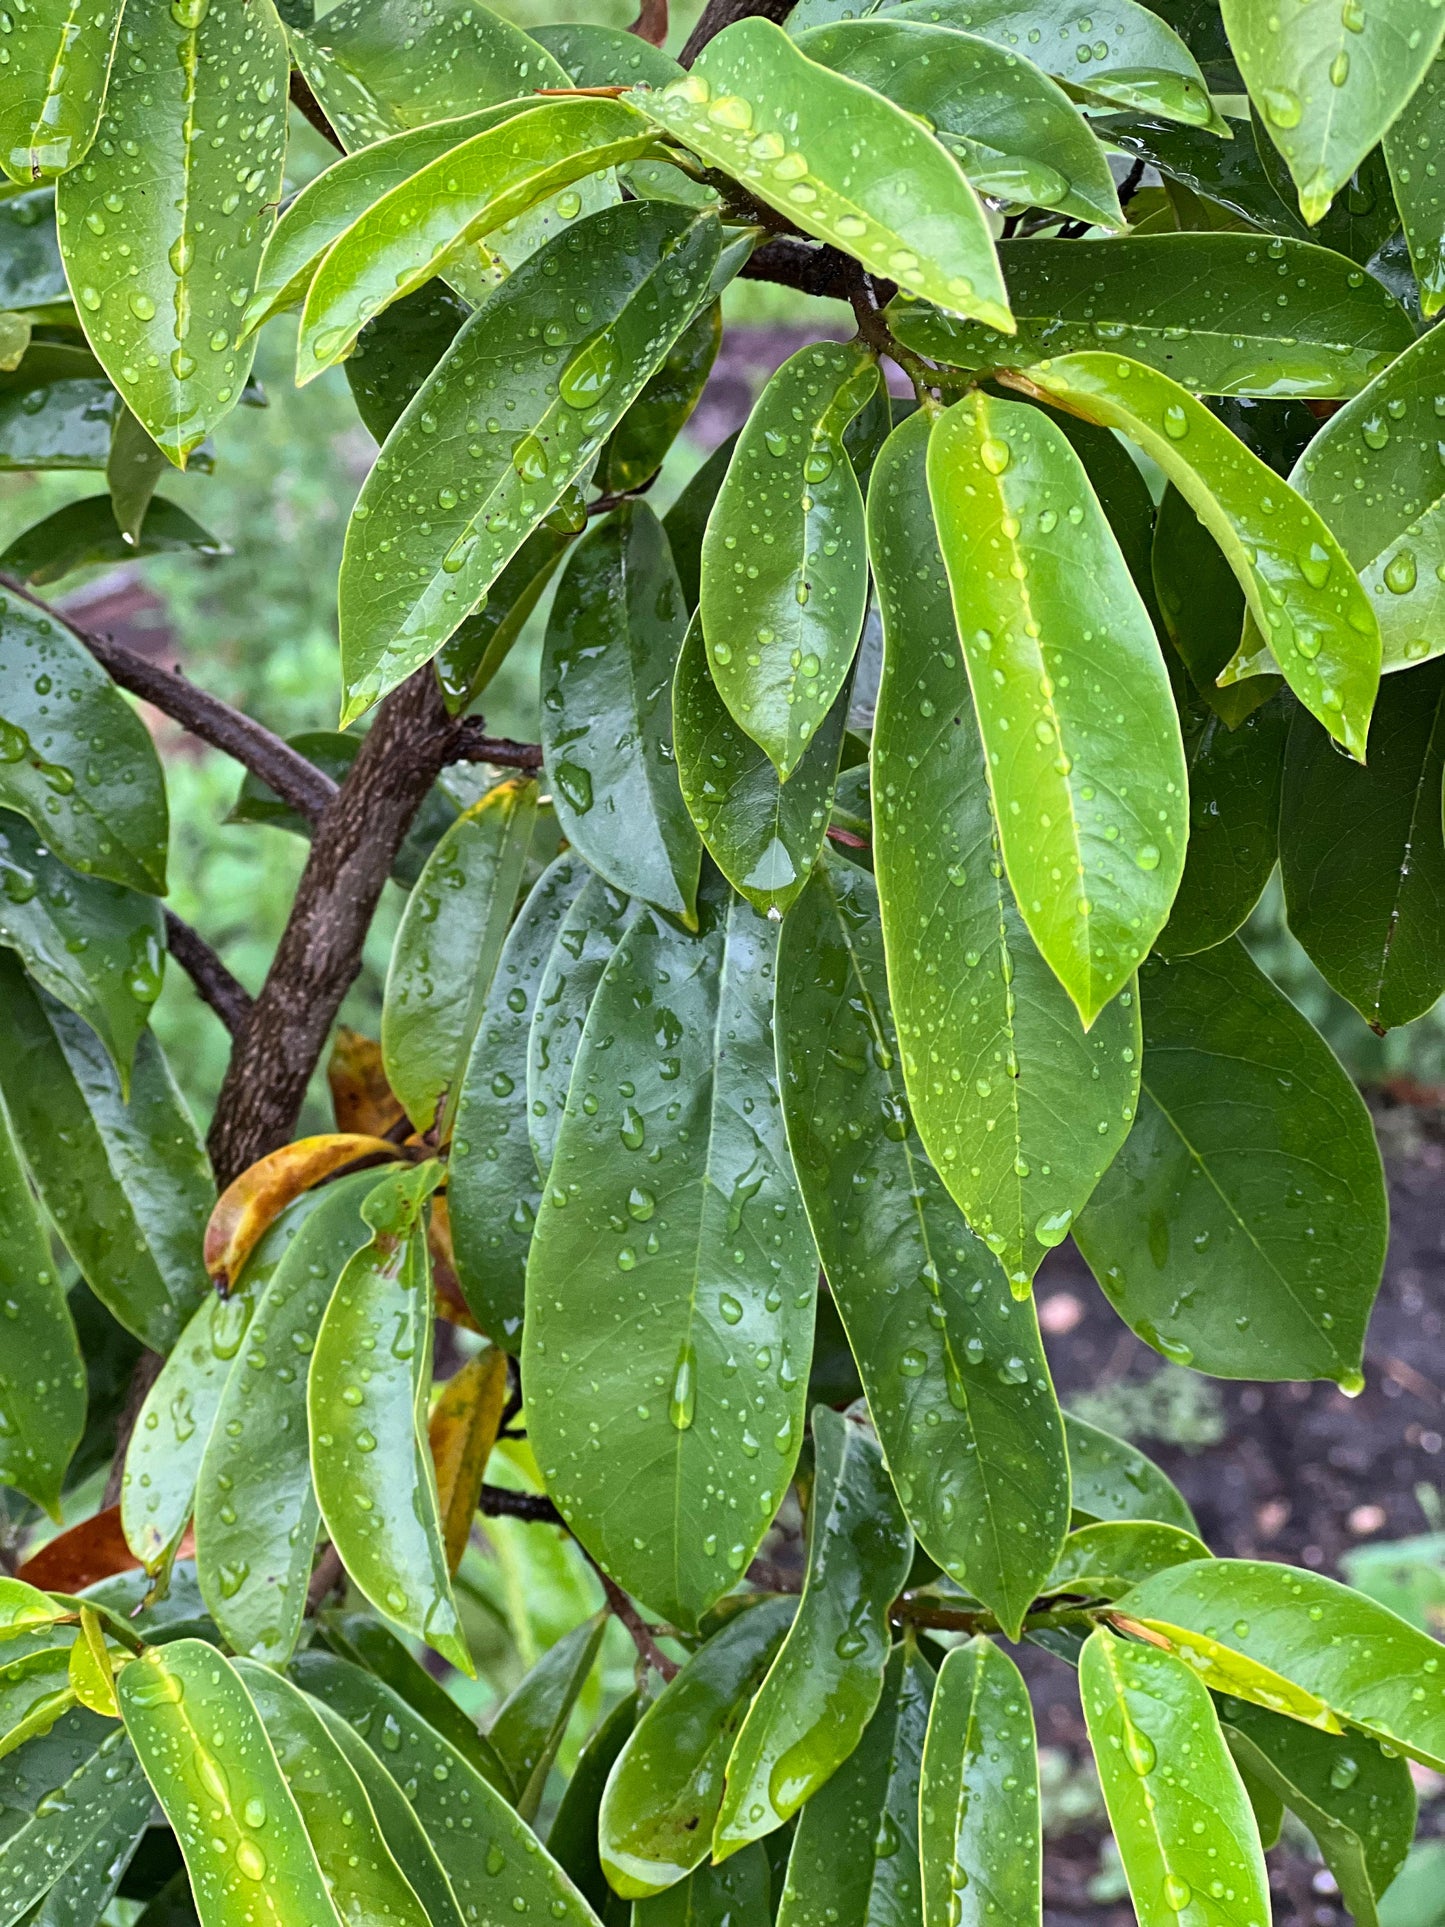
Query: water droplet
{"points": [[251, 1860], [632, 1130], [1401, 572], [1177, 1893], [1139, 1750], [1282, 107], [682, 1401], [995, 455], [1053, 1228], [1176, 421], [1147, 856], [1344, 1772]]}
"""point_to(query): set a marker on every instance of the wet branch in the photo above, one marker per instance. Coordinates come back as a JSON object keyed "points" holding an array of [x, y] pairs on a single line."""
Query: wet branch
{"points": [[225, 994]]}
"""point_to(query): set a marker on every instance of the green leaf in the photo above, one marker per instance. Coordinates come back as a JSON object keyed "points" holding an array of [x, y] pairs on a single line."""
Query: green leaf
{"points": [[686, 521], [1113, 1480], [1019, 1109], [100, 1796], [656, 419], [1180, 1814], [822, 1688], [1357, 1800], [528, 1727], [127, 1185], [1242, 1227], [83, 535], [662, 1797], [24, 1609], [94, 946], [979, 1836], [612, 641], [784, 582], [56, 410], [133, 469], [763, 834], [855, 1853], [1106, 1559], [872, 182], [395, 353], [1201, 606], [35, 1690], [205, 1751], [1329, 81], [84, 1891], [1362, 855], [1015, 133], [572, 1839], [1297, 583], [370, 1464], [31, 272], [1203, 308], [1357, 1658], [633, 274], [952, 1365], [475, 651], [256, 1514], [447, 945], [75, 759], [596, 56], [1415, 178], [492, 1185], [377, 68], [1131, 58], [1092, 822], [713, 1263], [733, 1895], [53, 86], [162, 311]]}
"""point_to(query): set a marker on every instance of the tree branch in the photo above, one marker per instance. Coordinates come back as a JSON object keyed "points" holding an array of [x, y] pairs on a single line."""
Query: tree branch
{"points": [[473, 746], [638, 1630], [799, 264], [499, 1502], [722, 13], [225, 995], [310, 109]]}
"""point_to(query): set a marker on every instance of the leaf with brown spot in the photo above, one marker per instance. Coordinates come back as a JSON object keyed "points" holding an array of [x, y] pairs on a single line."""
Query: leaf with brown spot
{"points": [[253, 1200], [361, 1098], [463, 1429]]}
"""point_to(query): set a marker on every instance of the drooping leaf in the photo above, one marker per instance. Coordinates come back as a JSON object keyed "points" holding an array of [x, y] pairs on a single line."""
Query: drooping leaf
{"points": [[528, 1727], [84, 534], [626, 282], [365, 1642], [474, 652], [649, 428], [612, 642], [872, 181], [361, 1099], [735, 1894], [1091, 821], [951, 1362], [133, 471], [713, 1265], [1201, 606], [686, 521], [101, 1795], [251, 1203], [1409, 143], [35, 1690], [462, 1430], [784, 577], [1113, 1480], [52, 88]]}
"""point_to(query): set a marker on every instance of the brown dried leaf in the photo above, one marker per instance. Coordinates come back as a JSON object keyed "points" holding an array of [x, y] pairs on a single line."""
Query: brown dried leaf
{"points": [[92, 1550], [361, 1098], [251, 1203], [463, 1429]]}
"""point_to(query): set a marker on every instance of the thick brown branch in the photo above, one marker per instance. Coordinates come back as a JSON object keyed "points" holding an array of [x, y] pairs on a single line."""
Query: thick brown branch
{"points": [[310, 109], [722, 13], [225, 995], [809, 269]]}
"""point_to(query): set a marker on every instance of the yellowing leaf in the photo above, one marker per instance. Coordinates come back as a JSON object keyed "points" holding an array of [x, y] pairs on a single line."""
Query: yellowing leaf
{"points": [[255, 1199], [462, 1431]]}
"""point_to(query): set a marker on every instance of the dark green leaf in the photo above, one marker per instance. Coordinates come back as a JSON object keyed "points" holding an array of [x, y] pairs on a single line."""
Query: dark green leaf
{"points": [[1202, 607], [395, 354], [596, 56], [84, 534], [1113, 1480], [474, 652], [1234, 790], [84, 1891], [42, 1380], [1409, 143], [572, 1839], [634, 453], [102, 1794], [686, 521], [733, 1895], [56, 410], [31, 273], [528, 1727]]}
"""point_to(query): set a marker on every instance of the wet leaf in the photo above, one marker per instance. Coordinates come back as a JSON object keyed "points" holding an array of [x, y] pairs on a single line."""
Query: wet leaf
{"points": [[24, 1609], [612, 642], [35, 1690], [823, 1687], [528, 1727], [686, 521], [1092, 823], [1409, 141], [914, 219], [633, 275], [475, 651], [361, 1099], [784, 578], [1201, 606], [56, 410], [572, 1839], [1019, 1108], [104, 1795], [133, 471], [461, 1431], [1180, 1814], [53, 86], [649, 428], [951, 1363], [395, 353], [597, 56], [92, 1670], [251, 1203], [1103, 1560], [84, 534], [670, 1246], [1112, 1480], [733, 1895]]}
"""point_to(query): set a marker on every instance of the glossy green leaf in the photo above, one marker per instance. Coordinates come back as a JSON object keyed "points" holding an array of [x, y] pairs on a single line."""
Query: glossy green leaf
{"points": [[162, 238], [56, 409], [53, 85], [979, 1836], [1223, 314], [572, 1839], [447, 945], [75, 759], [474, 652], [24, 1609], [735, 1894], [83, 535], [256, 1514], [855, 1854], [366, 1404], [1357, 1658], [914, 220], [1125, 54], [1362, 855], [205, 1751], [662, 1796], [1019, 1109], [133, 470], [686, 521], [952, 1364], [1114, 1480], [1242, 1227], [126, 1185], [42, 1377], [655, 420], [1298, 585], [612, 642], [395, 353], [101, 1794], [528, 1727], [763, 834], [1357, 1800], [784, 579], [822, 1688], [492, 1186], [1329, 81], [1410, 145], [632, 276], [35, 1690], [712, 1265], [1180, 1814], [1091, 821], [31, 272], [84, 1891], [1234, 792], [94, 946], [1015, 133], [597, 56], [1117, 480], [1103, 1560], [1201, 606]]}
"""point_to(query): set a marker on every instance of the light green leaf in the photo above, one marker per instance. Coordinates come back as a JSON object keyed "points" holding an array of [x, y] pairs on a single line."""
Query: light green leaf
{"points": [[35, 1689], [632, 276], [639, 1330], [784, 577], [1298, 585], [53, 85], [1113, 1480], [42, 1381], [952, 1365], [100, 1797], [612, 642], [84, 534], [528, 1727], [1106, 1559], [1180, 1814], [162, 233], [25, 1611], [1410, 140], [1242, 1227], [1092, 819], [871, 181]]}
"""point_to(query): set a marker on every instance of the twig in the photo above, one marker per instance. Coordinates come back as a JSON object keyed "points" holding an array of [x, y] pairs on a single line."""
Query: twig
{"points": [[821, 271], [640, 1633], [225, 995], [473, 746], [846, 837], [310, 109], [722, 13], [328, 1577], [499, 1502]]}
